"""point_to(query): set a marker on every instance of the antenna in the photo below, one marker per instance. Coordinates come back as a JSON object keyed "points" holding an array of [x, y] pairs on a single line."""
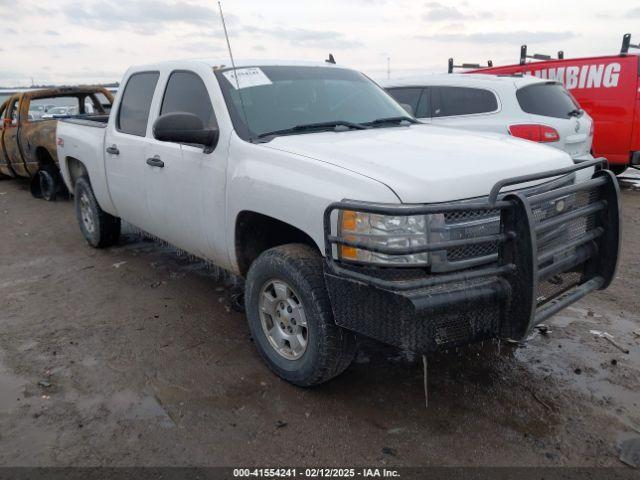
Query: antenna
{"points": [[226, 36], [235, 72]]}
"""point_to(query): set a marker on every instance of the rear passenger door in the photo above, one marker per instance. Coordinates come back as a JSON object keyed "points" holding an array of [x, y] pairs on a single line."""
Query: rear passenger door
{"points": [[181, 193], [11, 131], [125, 149], [466, 108]]}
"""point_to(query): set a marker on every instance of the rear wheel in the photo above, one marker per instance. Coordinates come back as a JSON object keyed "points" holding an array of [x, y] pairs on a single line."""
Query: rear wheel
{"points": [[99, 228], [47, 184], [290, 317]]}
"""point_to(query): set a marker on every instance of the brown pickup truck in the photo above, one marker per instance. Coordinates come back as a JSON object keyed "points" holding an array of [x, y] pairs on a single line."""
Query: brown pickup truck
{"points": [[28, 132]]}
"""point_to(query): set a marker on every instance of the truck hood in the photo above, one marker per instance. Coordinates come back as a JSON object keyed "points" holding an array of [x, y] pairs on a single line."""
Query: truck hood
{"points": [[427, 164]]}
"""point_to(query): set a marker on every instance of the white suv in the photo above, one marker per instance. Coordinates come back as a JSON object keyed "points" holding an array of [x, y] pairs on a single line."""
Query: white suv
{"points": [[525, 107]]}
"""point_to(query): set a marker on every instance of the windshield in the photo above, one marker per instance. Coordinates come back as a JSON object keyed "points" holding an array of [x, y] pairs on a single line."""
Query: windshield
{"points": [[277, 98]]}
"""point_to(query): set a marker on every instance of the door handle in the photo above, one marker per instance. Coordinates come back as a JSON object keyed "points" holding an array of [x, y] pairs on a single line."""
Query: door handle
{"points": [[113, 150], [155, 162]]}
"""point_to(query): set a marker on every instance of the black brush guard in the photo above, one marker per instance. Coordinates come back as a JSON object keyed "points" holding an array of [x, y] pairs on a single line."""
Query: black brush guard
{"points": [[555, 245]]}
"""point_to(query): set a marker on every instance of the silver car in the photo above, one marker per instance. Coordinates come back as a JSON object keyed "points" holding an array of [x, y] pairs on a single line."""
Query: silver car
{"points": [[527, 107]]}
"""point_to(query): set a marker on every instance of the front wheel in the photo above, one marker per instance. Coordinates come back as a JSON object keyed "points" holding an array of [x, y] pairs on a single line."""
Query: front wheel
{"points": [[99, 228], [290, 318]]}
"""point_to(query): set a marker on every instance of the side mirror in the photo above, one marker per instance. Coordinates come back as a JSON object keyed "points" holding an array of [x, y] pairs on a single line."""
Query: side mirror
{"points": [[182, 127], [408, 108]]}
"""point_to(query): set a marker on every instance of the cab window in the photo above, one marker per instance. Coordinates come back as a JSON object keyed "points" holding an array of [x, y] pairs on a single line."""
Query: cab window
{"points": [[50, 108], [452, 101], [12, 112], [3, 111], [133, 114], [186, 92]]}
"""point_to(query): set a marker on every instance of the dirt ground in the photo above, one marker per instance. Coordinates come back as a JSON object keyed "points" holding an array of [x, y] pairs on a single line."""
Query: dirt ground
{"points": [[133, 356]]}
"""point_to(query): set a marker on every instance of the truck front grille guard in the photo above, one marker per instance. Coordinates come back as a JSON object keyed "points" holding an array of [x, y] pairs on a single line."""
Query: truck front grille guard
{"points": [[544, 262]]}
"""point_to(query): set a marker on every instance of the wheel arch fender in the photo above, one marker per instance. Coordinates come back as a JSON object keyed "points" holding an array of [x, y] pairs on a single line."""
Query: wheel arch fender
{"points": [[291, 190]]}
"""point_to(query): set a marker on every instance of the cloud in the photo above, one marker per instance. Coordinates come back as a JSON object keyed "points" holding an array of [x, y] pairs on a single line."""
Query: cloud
{"points": [[511, 38], [200, 34], [57, 47], [305, 38], [633, 13], [438, 12], [138, 15]]}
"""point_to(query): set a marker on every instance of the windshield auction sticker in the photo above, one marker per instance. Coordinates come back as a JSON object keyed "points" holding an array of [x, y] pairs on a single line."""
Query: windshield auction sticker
{"points": [[247, 77]]}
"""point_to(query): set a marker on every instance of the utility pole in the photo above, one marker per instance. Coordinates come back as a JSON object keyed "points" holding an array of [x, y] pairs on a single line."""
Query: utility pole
{"points": [[388, 68]]}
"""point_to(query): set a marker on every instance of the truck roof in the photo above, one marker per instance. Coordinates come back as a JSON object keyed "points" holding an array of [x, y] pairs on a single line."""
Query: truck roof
{"points": [[462, 79], [226, 63]]}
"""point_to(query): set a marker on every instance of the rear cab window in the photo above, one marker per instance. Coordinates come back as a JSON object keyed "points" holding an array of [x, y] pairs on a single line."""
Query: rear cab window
{"points": [[547, 99], [48, 108], [133, 114], [454, 101]]}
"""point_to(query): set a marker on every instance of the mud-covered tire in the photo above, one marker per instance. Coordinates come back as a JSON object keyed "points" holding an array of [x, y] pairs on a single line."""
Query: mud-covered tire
{"points": [[48, 184], [99, 228], [329, 348], [49, 180]]}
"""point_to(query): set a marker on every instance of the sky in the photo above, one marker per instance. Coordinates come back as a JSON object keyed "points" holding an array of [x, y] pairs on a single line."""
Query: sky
{"points": [[88, 41]]}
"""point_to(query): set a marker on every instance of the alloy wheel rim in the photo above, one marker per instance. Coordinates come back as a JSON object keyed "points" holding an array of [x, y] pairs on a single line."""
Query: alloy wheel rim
{"points": [[283, 319], [87, 214]]}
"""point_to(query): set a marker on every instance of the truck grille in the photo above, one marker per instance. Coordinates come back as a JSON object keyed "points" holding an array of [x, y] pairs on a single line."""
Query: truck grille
{"points": [[461, 224], [562, 235]]}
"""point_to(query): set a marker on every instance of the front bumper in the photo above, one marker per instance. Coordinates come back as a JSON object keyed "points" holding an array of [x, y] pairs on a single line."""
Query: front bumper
{"points": [[547, 258]]}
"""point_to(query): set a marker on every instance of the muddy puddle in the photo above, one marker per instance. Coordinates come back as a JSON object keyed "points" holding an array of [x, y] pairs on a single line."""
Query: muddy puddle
{"points": [[630, 179], [11, 389]]}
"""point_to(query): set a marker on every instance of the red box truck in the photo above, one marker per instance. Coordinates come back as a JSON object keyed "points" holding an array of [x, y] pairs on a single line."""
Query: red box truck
{"points": [[607, 87]]}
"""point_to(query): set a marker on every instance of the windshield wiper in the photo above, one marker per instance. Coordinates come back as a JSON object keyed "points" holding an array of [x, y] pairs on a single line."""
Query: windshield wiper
{"points": [[576, 112], [400, 119], [315, 126]]}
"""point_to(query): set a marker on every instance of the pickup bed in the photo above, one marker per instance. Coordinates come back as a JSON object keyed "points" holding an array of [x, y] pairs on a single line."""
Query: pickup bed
{"points": [[342, 213], [28, 132]]}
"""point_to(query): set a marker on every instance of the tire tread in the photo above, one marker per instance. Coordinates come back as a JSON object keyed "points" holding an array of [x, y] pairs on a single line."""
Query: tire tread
{"points": [[340, 346]]}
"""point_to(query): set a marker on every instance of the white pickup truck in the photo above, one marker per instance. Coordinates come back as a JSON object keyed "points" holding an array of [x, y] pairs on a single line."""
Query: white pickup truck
{"points": [[344, 215]]}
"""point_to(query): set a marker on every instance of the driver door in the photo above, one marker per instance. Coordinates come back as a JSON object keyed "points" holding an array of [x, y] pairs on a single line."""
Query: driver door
{"points": [[182, 197]]}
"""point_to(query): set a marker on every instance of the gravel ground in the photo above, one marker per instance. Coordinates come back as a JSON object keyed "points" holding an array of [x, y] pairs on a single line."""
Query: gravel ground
{"points": [[133, 356]]}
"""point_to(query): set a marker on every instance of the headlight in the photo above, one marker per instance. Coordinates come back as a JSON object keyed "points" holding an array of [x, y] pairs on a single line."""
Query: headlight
{"points": [[383, 231], [400, 232]]}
